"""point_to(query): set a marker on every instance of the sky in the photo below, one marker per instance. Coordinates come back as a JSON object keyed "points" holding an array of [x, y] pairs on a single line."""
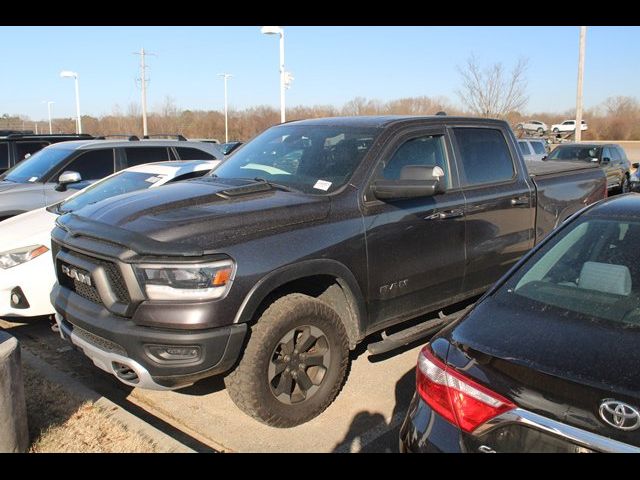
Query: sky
{"points": [[331, 65]]}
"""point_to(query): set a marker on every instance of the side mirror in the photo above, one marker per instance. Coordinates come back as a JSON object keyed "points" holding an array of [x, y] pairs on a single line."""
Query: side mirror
{"points": [[604, 160], [545, 157], [635, 165], [415, 181], [67, 178]]}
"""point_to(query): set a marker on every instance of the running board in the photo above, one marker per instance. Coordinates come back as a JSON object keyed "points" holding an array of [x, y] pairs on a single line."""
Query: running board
{"points": [[411, 334]]}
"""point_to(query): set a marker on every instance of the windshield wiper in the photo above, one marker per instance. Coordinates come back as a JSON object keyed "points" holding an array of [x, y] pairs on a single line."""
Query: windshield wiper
{"points": [[277, 185]]}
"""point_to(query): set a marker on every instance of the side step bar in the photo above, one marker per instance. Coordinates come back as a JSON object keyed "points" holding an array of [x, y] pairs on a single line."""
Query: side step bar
{"points": [[411, 334]]}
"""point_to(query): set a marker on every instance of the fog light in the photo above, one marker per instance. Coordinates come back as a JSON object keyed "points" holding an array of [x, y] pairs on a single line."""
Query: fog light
{"points": [[174, 353], [18, 299]]}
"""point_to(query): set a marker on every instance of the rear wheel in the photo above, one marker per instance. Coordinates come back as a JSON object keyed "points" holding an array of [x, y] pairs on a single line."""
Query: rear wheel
{"points": [[555, 130], [540, 130], [294, 364]]}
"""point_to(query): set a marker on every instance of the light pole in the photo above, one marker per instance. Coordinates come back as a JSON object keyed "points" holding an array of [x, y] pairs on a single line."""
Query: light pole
{"points": [[70, 74], [279, 31], [225, 76], [578, 134], [49, 112]]}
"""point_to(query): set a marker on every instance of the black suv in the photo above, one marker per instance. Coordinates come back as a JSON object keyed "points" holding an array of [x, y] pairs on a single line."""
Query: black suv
{"points": [[15, 145]]}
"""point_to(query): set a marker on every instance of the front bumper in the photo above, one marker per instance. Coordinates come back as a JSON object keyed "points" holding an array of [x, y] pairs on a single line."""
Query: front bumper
{"points": [[121, 347], [35, 279]]}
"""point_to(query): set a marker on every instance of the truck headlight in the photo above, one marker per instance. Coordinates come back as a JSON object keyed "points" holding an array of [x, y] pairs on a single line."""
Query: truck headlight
{"points": [[203, 281], [11, 258]]}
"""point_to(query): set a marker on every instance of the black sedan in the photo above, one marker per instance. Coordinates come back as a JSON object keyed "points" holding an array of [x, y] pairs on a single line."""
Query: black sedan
{"points": [[549, 359]]}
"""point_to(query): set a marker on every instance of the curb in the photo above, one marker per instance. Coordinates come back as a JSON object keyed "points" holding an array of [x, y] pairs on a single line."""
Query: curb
{"points": [[114, 411]]}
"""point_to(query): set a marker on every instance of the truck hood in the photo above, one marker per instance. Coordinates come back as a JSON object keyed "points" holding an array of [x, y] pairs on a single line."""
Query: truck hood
{"points": [[202, 214]]}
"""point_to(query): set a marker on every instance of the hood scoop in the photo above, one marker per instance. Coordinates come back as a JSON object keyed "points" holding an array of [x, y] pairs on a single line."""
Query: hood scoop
{"points": [[245, 190]]}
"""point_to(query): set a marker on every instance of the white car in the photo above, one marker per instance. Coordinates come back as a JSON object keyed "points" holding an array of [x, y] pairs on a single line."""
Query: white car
{"points": [[533, 149], [567, 126], [26, 268], [534, 126]]}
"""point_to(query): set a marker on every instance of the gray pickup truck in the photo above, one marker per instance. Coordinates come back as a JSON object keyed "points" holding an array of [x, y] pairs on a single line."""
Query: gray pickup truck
{"points": [[310, 239]]}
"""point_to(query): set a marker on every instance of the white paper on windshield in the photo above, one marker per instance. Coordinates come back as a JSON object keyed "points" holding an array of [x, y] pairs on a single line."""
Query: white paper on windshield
{"points": [[322, 185], [33, 179], [153, 179]]}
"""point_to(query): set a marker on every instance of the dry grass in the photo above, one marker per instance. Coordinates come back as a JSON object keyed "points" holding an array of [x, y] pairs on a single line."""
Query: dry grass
{"points": [[59, 422]]}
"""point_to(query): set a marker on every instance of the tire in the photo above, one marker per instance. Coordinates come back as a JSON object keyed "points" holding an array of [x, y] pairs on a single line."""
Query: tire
{"points": [[267, 385], [540, 131], [555, 130]]}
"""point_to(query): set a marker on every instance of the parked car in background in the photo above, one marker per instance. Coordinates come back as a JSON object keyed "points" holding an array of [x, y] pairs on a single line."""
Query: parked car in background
{"points": [[533, 126], [567, 126], [15, 146], [26, 270], [533, 149], [547, 360], [308, 239], [610, 156], [55, 172], [634, 178]]}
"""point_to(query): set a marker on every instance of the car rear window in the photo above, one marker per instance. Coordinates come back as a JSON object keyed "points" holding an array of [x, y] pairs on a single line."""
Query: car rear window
{"points": [[485, 155], [4, 155], [538, 147], [590, 269]]}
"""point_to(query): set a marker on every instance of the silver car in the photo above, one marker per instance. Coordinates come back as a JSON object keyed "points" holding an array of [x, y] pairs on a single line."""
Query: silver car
{"points": [[57, 171], [533, 149]]}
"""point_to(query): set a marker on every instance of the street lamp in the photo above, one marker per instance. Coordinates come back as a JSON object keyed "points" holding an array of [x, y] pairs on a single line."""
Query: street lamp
{"points": [[70, 74], [270, 30], [49, 112], [226, 76]]}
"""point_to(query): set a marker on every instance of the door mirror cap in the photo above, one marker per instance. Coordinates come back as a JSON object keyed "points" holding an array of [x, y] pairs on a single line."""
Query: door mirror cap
{"points": [[415, 181], [67, 178], [604, 160]]}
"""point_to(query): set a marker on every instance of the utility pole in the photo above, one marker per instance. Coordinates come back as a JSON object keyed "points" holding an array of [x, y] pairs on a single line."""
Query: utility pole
{"points": [[225, 76], [578, 134], [143, 84]]}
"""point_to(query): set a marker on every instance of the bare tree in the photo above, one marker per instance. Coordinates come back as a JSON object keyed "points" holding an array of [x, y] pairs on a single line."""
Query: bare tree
{"points": [[492, 92]]}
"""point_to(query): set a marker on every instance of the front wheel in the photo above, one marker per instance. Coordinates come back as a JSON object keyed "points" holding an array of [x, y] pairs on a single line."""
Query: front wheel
{"points": [[540, 130], [294, 363]]}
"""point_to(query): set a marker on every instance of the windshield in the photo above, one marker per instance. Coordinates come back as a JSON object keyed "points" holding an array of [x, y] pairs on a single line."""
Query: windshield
{"points": [[34, 168], [118, 184], [576, 152], [308, 158], [591, 270]]}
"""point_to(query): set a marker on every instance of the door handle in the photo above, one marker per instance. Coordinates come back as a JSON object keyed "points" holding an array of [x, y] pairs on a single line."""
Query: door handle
{"points": [[445, 215], [519, 201]]}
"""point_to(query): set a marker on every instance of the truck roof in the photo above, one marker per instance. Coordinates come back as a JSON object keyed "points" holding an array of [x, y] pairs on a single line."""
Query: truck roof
{"points": [[382, 121]]}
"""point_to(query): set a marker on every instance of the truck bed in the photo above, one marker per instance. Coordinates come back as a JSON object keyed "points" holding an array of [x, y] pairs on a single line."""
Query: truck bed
{"points": [[563, 188]]}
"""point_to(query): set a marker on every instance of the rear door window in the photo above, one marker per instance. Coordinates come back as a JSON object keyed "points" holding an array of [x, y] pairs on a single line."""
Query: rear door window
{"points": [[24, 149], [187, 153], [140, 155], [524, 148], [4, 155], [93, 165], [484, 155], [538, 147]]}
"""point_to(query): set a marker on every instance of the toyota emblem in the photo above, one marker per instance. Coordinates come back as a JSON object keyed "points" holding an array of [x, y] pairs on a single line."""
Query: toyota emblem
{"points": [[619, 415]]}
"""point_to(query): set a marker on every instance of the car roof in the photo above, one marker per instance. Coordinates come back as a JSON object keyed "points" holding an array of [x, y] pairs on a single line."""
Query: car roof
{"points": [[91, 144], [625, 207], [382, 121], [587, 145]]}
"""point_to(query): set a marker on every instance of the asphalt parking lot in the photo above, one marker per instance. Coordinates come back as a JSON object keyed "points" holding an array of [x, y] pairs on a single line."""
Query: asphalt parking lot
{"points": [[365, 417]]}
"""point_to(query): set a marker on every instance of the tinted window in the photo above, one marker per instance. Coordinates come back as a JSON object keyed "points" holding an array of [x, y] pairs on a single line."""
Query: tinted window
{"points": [[485, 155], [614, 154], [524, 148], [193, 154], [427, 151], [568, 122], [622, 153], [38, 165], [538, 147], [574, 152], [606, 153], [140, 155], [28, 148], [311, 158], [123, 182], [590, 269], [93, 165], [4, 155]]}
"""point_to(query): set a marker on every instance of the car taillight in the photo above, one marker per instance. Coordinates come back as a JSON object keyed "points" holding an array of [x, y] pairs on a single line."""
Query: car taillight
{"points": [[458, 399]]}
